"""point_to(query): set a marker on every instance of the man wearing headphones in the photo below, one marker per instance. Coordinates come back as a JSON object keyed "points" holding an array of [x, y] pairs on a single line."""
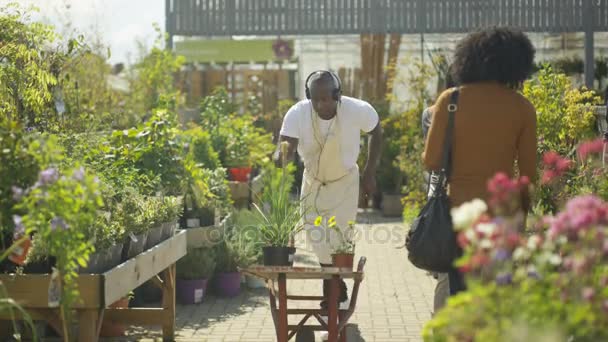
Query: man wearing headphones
{"points": [[325, 130]]}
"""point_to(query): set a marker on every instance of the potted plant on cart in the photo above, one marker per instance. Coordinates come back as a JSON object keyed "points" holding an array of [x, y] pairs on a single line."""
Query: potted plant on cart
{"points": [[344, 252], [280, 217], [193, 274]]}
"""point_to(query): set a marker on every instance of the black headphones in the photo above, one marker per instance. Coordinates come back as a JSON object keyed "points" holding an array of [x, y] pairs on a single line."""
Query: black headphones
{"points": [[336, 93]]}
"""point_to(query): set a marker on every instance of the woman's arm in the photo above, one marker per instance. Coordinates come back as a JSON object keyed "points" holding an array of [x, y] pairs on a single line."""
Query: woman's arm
{"points": [[433, 148]]}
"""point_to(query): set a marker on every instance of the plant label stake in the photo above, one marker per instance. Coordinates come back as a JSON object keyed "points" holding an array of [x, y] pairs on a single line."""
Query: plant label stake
{"points": [[54, 292]]}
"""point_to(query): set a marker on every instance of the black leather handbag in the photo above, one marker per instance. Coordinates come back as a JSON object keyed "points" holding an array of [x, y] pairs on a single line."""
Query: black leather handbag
{"points": [[431, 241]]}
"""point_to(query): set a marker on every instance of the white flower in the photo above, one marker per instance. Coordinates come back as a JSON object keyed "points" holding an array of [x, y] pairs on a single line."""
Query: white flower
{"points": [[555, 260], [533, 242], [486, 244], [470, 235], [464, 216], [520, 254], [486, 228]]}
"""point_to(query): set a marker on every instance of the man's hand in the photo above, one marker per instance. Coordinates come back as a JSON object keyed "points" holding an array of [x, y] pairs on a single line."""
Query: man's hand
{"points": [[286, 151], [369, 182]]}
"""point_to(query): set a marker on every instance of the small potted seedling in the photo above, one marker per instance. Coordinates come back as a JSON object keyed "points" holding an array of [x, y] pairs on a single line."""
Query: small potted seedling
{"points": [[344, 250]]}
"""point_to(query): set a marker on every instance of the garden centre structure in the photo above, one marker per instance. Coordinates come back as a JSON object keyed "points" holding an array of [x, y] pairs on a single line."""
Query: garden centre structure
{"points": [[205, 18]]}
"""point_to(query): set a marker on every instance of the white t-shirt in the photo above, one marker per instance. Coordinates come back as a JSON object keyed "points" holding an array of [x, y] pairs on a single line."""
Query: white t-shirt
{"points": [[353, 116]]}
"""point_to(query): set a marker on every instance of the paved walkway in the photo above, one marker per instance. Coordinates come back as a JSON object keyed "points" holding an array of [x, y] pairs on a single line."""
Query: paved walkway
{"points": [[395, 299]]}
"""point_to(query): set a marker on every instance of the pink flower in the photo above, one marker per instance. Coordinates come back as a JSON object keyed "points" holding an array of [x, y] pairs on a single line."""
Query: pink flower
{"points": [[506, 192], [551, 158], [554, 166], [548, 176], [590, 147]]}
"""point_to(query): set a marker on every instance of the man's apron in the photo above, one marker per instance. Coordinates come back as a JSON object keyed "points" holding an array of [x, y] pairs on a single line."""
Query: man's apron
{"points": [[328, 189]]}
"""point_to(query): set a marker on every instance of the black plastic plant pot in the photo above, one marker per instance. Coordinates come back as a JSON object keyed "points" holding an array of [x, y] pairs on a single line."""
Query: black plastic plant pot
{"points": [[278, 256]]}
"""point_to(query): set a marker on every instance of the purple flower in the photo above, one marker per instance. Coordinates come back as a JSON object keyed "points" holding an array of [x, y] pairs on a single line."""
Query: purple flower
{"points": [[501, 255], [19, 227], [588, 293], [58, 222], [48, 176], [78, 174], [17, 193], [504, 279], [29, 129]]}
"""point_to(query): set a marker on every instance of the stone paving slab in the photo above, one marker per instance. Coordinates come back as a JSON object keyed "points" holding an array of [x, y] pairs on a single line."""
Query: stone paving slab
{"points": [[394, 302]]}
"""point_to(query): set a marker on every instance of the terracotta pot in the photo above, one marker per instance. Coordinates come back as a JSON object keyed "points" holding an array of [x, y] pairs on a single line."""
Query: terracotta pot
{"points": [[111, 328], [343, 260]]}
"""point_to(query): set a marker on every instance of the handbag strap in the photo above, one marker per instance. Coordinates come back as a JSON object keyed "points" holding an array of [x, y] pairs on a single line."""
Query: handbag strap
{"points": [[446, 161]]}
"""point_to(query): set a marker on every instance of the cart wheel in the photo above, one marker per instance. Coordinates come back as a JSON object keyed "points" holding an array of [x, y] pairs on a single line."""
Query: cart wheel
{"points": [[305, 334]]}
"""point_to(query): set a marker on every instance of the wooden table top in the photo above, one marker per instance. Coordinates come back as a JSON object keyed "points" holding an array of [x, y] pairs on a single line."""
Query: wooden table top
{"points": [[297, 272]]}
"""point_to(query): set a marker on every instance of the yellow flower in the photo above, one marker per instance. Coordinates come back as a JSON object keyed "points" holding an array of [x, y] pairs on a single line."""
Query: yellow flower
{"points": [[351, 223], [318, 221], [332, 221]]}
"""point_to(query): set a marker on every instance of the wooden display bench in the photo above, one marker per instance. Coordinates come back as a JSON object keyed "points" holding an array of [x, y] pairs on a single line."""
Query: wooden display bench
{"points": [[99, 291]]}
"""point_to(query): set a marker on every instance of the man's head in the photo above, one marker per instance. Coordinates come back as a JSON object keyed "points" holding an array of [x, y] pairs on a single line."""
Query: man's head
{"points": [[323, 89]]}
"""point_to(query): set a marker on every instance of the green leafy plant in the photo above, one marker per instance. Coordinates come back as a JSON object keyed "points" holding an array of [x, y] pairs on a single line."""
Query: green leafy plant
{"points": [[200, 148], [199, 263], [152, 77], [233, 253], [237, 140], [280, 217]]}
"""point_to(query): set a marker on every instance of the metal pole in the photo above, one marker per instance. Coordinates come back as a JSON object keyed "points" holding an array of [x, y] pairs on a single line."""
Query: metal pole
{"points": [[588, 16], [168, 26]]}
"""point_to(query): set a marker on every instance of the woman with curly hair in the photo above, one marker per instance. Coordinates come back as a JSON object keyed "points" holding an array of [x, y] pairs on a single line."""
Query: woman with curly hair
{"points": [[494, 125]]}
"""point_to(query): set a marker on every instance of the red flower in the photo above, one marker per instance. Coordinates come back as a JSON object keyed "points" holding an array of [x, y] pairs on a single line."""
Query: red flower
{"points": [[462, 240], [466, 268], [479, 259]]}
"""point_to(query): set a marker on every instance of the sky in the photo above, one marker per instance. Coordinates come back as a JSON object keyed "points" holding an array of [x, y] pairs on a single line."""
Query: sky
{"points": [[119, 23]]}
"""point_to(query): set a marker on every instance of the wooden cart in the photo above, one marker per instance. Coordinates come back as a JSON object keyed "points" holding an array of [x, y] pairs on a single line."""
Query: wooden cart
{"points": [[336, 319], [99, 291]]}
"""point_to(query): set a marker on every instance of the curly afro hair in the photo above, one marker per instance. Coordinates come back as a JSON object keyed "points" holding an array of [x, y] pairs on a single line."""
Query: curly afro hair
{"points": [[496, 54]]}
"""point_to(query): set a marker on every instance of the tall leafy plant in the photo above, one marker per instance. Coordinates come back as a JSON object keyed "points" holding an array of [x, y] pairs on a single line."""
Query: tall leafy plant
{"points": [[280, 216]]}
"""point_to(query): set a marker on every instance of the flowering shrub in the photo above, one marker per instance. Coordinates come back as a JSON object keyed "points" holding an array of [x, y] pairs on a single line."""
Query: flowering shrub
{"points": [[563, 178], [564, 113], [551, 278], [59, 210]]}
